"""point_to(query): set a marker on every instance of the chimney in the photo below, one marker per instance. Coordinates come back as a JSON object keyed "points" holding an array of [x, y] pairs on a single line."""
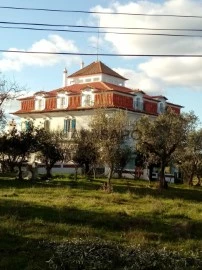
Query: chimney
{"points": [[82, 64], [65, 77]]}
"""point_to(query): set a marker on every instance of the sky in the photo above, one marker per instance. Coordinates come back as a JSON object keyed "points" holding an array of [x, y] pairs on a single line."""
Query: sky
{"points": [[179, 79]]}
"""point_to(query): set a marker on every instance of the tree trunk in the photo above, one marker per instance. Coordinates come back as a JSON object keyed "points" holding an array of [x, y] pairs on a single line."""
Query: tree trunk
{"points": [[48, 172], [191, 179], [75, 175], [20, 173], [110, 174], [198, 184], [94, 173], [162, 183], [87, 168], [120, 172]]}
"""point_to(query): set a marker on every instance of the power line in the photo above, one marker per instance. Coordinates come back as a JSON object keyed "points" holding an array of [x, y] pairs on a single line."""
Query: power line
{"points": [[100, 27], [101, 12], [104, 54], [101, 32]]}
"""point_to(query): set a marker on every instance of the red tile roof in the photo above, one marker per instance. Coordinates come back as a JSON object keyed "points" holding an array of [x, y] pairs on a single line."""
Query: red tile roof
{"points": [[96, 68], [100, 86]]}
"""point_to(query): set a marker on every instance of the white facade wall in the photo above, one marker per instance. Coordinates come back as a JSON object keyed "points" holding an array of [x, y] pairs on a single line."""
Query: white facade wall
{"points": [[84, 79], [113, 80], [96, 78]]}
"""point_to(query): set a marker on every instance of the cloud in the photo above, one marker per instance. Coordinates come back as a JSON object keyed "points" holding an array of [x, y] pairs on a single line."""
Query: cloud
{"points": [[139, 80], [54, 43], [157, 71]]}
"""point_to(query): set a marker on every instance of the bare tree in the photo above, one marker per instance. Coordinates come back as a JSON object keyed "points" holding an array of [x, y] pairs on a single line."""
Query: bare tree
{"points": [[9, 90]]}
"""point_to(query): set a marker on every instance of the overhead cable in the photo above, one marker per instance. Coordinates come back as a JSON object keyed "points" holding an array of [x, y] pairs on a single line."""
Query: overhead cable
{"points": [[99, 27], [101, 32], [102, 54], [101, 12]]}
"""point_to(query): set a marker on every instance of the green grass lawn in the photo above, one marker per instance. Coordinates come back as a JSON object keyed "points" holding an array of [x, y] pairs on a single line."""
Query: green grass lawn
{"points": [[134, 214]]}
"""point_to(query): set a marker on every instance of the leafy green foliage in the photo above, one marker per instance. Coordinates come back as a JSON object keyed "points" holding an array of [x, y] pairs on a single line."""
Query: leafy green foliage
{"points": [[108, 133], [161, 137], [15, 148], [49, 149], [87, 153], [190, 159]]}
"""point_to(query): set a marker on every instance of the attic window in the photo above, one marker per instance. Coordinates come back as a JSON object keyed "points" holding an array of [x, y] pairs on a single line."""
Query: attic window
{"points": [[39, 103], [62, 101], [87, 98], [138, 103], [161, 107]]}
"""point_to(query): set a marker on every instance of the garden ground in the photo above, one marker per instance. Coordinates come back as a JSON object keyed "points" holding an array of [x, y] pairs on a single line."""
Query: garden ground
{"points": [[38, 218]]}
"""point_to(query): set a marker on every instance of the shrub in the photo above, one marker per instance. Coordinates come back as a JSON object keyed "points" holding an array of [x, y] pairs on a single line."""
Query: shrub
{"points": [[98, 255]]}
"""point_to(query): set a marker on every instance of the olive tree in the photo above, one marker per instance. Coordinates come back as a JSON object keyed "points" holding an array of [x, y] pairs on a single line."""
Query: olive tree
{"points": [[161, 137], [190, 159], [16, 148], [108, 128], [49, 149], [86, 154]]}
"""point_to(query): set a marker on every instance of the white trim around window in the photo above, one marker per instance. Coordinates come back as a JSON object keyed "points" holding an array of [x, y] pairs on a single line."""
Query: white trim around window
{"points": [[62, 101], [87, 98], [39, 103]]}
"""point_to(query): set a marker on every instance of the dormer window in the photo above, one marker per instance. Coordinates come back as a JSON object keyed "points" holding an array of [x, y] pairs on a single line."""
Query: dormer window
{"points": [[62, 101], [138, 103], [161, 107], [39, 103], [87, 98]]}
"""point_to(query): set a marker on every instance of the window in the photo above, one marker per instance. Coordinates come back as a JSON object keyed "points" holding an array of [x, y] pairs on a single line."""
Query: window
{"points": [[88, 80], [161, 107], [138, 103], [28, 125], [62, 101], [69, 125], [96, 79], [66, 125], [39, 103], [87, 98]]}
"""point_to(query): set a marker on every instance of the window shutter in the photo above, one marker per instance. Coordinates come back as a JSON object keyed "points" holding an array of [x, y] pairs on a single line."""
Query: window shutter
{"points": [[27, 125], [58, 102], [73, 123], [141, 106], [65, 126]]}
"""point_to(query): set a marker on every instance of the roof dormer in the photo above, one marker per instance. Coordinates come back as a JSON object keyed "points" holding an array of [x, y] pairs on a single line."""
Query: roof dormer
{"points": [[138, 103], [39, 99], [87, 97], [161, 103], [62, 99]]}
